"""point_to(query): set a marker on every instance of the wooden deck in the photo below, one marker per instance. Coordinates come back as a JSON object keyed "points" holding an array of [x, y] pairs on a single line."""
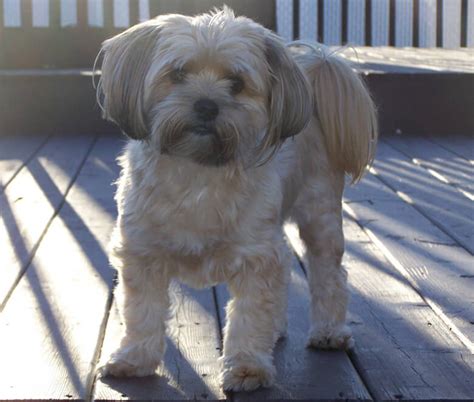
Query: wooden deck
{"points": [[410, 239]]}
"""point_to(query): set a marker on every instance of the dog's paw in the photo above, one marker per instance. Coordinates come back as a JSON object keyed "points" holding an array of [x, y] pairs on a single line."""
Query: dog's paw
{"points": [[339, 337], [245, 372], [121, 368], [131, 361]]}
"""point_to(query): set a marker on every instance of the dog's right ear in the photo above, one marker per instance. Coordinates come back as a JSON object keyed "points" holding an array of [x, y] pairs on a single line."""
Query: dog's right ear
{"points": [[290, 101], [120, 92]]}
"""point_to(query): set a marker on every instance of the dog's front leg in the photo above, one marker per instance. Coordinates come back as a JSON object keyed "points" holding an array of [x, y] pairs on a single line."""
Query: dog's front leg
{"points": [[142, 296], [256, 317]]}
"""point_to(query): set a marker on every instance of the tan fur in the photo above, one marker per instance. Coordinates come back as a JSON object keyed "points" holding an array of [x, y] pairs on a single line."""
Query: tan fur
{"points": [[204, 202], [345, 110]]}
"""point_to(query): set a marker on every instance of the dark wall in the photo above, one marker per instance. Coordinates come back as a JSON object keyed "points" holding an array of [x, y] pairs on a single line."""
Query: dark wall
{"points": [[64, 102], [50, 102], [424, 103]]}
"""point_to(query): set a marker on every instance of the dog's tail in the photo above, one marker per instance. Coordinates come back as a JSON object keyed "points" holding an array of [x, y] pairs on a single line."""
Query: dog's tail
{"points": [[344, 108]]}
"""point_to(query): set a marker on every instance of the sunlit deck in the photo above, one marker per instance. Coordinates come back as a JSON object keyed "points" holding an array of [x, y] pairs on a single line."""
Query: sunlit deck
{"points": [[410, 239]]}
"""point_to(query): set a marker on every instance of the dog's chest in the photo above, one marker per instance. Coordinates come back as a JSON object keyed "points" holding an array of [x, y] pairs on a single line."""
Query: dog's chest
{"points": [[189, 214]]}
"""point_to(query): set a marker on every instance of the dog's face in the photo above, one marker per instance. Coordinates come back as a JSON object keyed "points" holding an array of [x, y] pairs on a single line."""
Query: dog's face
{"points": [[212, 88]]}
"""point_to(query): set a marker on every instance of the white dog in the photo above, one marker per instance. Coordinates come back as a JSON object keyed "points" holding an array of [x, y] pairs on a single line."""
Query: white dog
{"points": [[210, 175]]}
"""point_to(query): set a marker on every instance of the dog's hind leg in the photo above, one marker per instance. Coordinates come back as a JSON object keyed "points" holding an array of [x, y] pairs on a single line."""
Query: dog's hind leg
{"points": [[256, 317], [318, 215]]}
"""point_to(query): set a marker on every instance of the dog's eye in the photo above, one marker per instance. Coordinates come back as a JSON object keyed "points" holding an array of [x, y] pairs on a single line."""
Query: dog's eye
{"points": [[177, 75], [236, 84]]}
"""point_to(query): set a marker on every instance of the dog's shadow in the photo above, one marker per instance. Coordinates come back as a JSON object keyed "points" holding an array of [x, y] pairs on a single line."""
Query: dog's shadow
{"points": [[170, 382]]}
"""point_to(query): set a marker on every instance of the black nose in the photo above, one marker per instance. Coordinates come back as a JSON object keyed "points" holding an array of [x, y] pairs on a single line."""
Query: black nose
{"points": [[206, 109]]}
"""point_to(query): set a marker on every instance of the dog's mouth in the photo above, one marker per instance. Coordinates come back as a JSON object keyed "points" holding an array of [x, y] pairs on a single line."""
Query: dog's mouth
{"points": [[203, 130], [202, 143]]}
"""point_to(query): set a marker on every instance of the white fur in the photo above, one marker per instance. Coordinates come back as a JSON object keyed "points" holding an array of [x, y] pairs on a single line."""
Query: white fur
{"points": [[207, 224]]}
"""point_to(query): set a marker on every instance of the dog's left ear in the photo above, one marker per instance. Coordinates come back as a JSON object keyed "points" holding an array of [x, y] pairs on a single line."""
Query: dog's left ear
{"points": [[127, 59], [291, 102]]}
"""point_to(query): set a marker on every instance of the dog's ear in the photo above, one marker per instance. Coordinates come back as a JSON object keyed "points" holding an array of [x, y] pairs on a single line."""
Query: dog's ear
{"points": [[120, 92], [290, 102]]}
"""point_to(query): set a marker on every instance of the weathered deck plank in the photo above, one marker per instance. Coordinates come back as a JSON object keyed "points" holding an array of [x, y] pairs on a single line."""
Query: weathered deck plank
{"points": [[439, 202], [412, 318], [458, 145], [15, 152], [403, 350], [190, 368], [32, 199], [442, 164], [52, 323], [302, 373], [402, 347], [441, 271]]}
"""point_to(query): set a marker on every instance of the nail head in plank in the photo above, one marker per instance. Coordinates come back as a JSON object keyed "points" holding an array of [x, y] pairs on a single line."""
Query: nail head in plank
{"points": [[302, 373]]}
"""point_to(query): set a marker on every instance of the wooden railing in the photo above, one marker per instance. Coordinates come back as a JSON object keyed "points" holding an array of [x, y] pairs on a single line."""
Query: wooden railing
{"points": [[418, 23], [68, 33]]}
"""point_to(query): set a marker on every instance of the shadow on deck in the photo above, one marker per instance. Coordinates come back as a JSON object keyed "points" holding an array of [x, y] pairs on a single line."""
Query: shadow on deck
{"points": [[409, 234]]}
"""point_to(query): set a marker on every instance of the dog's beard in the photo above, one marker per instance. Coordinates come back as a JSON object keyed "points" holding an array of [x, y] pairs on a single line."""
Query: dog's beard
{"points": [[207, 144]]}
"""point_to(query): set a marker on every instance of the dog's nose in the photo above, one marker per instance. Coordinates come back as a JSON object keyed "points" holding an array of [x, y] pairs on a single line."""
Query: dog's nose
{"points": [[206, 109]]}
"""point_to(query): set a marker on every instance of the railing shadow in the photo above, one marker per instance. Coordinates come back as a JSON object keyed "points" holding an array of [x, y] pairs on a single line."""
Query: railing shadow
{"points": [[417, 338], [50, 316]]}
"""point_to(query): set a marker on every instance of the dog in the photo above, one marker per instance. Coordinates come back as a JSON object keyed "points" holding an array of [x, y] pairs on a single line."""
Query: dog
{"points": [[232, 133]]}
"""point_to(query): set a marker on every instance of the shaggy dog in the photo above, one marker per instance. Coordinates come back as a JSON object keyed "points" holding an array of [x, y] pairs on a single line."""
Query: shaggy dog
{"points": [[232, 133]]}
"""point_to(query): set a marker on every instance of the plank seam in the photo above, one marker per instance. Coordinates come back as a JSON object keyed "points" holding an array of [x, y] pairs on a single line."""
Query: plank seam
{"points": [[401, 269], [433, 172], [27, 160], [408, 200], [220, 326], [46, 228], [220, 321], [93, 375]]}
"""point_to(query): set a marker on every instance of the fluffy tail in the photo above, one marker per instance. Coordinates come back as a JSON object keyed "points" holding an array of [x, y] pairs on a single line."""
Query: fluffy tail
{"points": [[344, 108]]}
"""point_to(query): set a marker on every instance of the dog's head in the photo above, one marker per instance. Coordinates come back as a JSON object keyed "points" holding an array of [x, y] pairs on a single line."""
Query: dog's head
{"points": [[213, 88]]}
